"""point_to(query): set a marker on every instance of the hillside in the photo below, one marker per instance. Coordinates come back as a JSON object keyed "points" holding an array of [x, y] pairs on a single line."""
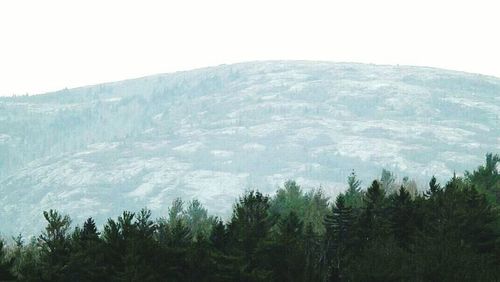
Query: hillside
{"points": [[212, 133]]}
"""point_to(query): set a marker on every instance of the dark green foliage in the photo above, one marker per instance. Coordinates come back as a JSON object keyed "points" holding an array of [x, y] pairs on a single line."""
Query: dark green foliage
{"points": [[402, 218], [487, 178], [434, 188], [314, 255], [338, 228], [249, 229], [287, 254], [55, 247], [447, 233], [373, 220], [86, 261], [218, 235]]}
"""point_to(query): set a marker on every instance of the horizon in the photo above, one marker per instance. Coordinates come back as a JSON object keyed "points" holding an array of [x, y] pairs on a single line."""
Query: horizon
{"points": [[56, 45], [249, 62]]}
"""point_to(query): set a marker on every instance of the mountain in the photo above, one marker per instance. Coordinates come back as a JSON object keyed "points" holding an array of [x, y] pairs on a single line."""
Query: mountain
{"points": [[212, 133]]}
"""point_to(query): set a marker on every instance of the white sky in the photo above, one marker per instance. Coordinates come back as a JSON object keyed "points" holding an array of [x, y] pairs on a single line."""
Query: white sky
{"points": [[49, 45]]}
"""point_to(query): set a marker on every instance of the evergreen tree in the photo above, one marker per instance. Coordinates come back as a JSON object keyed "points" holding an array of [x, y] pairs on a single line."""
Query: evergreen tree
{"points": [[249, 227], [448, 233], [55, 246], [353, 196], [338, 226], [402, 217], [141, 248], [486, 178], [218, 235], [89, 231], [225, 262], [313, 268], [180, 234], [287, 253], [86, 261], [434, 188], [373, 223]]}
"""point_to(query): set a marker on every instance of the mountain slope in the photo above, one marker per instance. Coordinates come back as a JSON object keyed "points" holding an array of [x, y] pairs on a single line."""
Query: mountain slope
{"points": [[212, 133]]}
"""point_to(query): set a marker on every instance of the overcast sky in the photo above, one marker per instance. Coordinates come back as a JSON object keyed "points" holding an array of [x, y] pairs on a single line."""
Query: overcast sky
{"points": [[50, 45]]}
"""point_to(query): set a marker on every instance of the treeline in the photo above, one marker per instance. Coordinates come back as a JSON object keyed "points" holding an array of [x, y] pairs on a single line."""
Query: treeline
{"points": [[448, 233]]}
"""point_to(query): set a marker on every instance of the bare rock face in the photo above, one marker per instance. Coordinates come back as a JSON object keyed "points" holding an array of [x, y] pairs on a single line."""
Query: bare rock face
{"points": [[213, 133]]}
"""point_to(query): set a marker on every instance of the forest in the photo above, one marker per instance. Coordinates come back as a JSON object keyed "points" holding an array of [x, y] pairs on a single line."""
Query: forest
{"points": [[386, 231]]}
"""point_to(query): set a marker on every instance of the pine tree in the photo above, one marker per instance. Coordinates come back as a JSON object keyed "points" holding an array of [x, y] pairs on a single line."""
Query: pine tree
{"points": [[402, 217], [434, 188], [180, 234], [374, 197], [338, 226], [146, 227], [89, 231], [373, 222], [353, 196], [450, 233], [287, 253], [55, 246], [249, 227], [225, 262], [218, 235], [86, 261]]}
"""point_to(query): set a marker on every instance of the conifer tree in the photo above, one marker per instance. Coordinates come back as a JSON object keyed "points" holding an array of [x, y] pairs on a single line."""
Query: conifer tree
{"points": [[338, 226], [249, 227], [434, 187], [313, 255], [373, 223], [402, 217], [287, 254], [218, 235], [353, 196], [449, 233], [55, 246]]}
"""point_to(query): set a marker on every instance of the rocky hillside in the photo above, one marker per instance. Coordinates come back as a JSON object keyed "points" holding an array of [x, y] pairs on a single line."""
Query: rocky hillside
{"points": [[212, 133]]}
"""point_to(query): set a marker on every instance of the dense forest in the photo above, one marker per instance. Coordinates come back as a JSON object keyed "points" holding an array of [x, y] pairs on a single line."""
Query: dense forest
{"points": [[384, 232]]}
